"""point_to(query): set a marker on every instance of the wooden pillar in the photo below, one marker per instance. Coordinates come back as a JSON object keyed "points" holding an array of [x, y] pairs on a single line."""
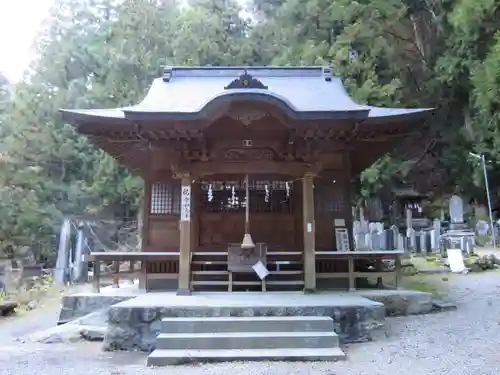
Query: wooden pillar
{"points": [[347, 186], [309, 233], [116, 273], [96, 278], [185, 237], [352, 277], [398, 274], [146, 212]]}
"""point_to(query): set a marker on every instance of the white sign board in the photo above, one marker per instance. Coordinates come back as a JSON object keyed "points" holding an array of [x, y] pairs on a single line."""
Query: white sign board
{"points": [[342, 239], [186, 203], [260, 270], [456, 260], [339, 222]]}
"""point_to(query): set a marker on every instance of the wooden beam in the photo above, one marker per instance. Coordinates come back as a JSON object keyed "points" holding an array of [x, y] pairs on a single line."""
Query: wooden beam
{"points": [[136, 161], [374, 137], [199, 169]]}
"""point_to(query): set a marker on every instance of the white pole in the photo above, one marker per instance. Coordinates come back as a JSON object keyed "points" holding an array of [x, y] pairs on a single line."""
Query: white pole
{"points": [[493, 234]]}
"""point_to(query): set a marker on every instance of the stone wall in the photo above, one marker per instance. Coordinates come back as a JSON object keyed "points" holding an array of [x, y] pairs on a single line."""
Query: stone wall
{"points": [[78, 305], [136, 328]]}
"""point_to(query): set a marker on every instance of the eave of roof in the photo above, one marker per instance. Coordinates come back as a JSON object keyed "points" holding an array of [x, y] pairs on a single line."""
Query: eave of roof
{"points": [[302, 93]]}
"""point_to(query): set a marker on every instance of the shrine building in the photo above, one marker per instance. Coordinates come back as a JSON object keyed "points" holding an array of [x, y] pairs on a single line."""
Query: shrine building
{"points": [[247, 169]]}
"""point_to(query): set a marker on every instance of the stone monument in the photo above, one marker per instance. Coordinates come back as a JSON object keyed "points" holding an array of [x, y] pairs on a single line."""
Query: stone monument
{"points": [[459, 235], [456, 210], [482, 228]]}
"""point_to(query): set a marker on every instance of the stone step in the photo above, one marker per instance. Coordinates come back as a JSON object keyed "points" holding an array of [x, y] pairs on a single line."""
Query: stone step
{"points": [[178, 357], [247, 340], [248, 324]]}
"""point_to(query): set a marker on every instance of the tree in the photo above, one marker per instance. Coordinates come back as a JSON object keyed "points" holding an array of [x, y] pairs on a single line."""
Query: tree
{"points": [[105, 53], [5, 93]]}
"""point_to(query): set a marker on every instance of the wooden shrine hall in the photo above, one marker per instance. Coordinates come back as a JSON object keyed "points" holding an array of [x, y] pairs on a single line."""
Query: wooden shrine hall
{"points": [[248, 171]]}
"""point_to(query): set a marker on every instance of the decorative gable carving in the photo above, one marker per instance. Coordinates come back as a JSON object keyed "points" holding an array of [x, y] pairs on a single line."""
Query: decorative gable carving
{"points": [[246, 116], [248, 154], [246, 81]]}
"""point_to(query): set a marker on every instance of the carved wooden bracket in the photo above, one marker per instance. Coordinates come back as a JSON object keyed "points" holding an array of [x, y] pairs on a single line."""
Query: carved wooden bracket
{"points": [[180, 170]]}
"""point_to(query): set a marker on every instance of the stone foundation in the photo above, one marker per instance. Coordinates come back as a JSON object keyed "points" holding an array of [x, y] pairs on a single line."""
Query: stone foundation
{"points": [[135, 327], [78, 305], [401, 302], [134, 319]]}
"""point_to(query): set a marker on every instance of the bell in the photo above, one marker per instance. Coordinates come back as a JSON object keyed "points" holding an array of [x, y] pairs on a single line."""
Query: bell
{"points": [[247, 242]]}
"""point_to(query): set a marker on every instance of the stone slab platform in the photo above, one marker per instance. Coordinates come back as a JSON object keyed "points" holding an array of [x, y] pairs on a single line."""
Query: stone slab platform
{"points": [[400, 302], [77, 305], [177, 357], [135, 317], [135, 323]]}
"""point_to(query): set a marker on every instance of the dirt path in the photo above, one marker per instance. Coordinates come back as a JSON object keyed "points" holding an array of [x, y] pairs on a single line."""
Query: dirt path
{"points": [[44, 316], [460, 342]]}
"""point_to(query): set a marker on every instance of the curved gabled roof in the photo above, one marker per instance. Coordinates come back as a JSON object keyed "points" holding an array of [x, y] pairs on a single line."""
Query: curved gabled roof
{"points": [[192, 92]]}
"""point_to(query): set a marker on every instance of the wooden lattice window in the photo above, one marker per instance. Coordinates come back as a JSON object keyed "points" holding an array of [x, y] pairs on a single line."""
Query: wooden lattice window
{"points": [[329, 198], [165, 199]]}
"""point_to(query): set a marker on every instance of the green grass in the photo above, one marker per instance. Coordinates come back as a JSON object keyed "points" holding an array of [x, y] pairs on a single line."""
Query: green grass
{"points": [[425, 283], [42, 287]]}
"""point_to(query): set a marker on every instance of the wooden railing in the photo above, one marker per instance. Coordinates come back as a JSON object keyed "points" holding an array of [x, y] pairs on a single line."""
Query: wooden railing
{"points": [[352, 256], [138, 265], [163, 265], [210, 271]]}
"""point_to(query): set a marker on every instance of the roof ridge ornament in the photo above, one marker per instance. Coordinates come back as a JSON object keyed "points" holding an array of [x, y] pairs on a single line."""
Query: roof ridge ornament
{"points": [[246, 81]]}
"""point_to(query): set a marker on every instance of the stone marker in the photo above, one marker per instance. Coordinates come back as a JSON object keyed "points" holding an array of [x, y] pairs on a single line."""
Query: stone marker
{"points": [[456, 208], [482, 228]]}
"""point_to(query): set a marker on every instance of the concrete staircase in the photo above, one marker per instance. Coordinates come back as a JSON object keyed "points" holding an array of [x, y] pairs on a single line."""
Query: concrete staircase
{"points": [[297, 338]]}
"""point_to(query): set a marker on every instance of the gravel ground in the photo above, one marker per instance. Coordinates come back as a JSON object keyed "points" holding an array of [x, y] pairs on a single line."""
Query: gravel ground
{"points": [[462, 342]]}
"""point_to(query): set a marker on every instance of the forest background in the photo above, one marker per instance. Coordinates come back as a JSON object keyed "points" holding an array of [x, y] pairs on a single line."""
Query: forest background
{"points": [[105, 53]]}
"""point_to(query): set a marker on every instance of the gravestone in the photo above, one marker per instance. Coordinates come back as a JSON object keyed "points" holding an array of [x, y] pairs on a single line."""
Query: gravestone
{"points": [[418, 244], [368, 241], [400, 242], [375, 239], [435, 234], [456, 209], [26, 256], [454, 236], [395, 237], [411, 238], [482, 228], [389, 240], [423, 241], [361, 242], [5, 274], [375, 209]]}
